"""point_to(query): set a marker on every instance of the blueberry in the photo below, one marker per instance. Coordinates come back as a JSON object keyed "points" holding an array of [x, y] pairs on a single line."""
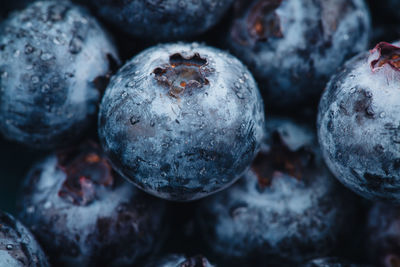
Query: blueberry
{"points": [[162, 20], [18, 247], [383, 234], [85, 215], [54, 59], [294, 46], [175, 260], [332, 262], [359, 124], [287, 209], [181, 121]]}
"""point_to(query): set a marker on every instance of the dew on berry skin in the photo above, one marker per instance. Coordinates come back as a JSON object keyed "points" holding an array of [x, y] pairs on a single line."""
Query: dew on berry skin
{"points": [[46, 56]]}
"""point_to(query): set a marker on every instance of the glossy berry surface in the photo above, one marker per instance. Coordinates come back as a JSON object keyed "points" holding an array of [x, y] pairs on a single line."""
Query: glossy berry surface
{"points": [[294, 46], [176, 260], [54, 58], [181, 121], [359, 122], [162, 20], [85, 215], [287, 209], [18, 247], [384, 235]]}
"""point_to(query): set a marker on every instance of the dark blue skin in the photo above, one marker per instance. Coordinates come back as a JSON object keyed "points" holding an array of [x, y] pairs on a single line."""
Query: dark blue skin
{"points": [[287, 209], [332, 262], [176, 260], [18, 247], [182, 121], [162, 20], [292, 47], [383, 242], [54, 59], [358, 124], [86, 215]]}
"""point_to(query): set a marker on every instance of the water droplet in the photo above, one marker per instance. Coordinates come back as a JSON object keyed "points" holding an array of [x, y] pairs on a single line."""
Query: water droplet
{"points": [[352, 90], [137, 72], [163, 174], [130, 84], [16, 53], [35, 79], [200, 113], [241, 81], [152, 123], [9, 247], [75, 45], [382, 114], [124, 94], [239, 95], [46, 56], [134, 120]]}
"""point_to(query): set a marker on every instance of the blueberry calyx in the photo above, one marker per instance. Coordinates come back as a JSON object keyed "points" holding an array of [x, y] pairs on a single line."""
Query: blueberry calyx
{"points": [[262, 22], [279, 160], [183, 74], [387, 54], [85, 169]]}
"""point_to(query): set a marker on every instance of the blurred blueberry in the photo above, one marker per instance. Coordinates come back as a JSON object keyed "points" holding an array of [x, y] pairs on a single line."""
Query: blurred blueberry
{"points": [[162, 20], [287, 209], [85, 215], [359, 124], [294, 46], [54, 61]]}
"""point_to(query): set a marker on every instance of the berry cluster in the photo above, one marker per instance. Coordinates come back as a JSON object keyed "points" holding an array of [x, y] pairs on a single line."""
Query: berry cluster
{"points": [[200, 133]]}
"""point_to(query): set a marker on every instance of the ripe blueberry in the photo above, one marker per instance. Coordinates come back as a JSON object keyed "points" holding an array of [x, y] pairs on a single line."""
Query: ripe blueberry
{"points": [[53, 57], [288, 208], [162, 20], [18, 247], [294, 46], [359, 124], [85, 215], [181, 121]]}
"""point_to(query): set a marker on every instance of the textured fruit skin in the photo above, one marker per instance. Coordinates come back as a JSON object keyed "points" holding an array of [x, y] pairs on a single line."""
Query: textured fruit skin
{"points": [[358, 126], [293, 47], [332, 262], [181, 143], [383, 235], [177, 260], [85, 215], [162, 20], [18, 247], [287, 209], [54, 57]]}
